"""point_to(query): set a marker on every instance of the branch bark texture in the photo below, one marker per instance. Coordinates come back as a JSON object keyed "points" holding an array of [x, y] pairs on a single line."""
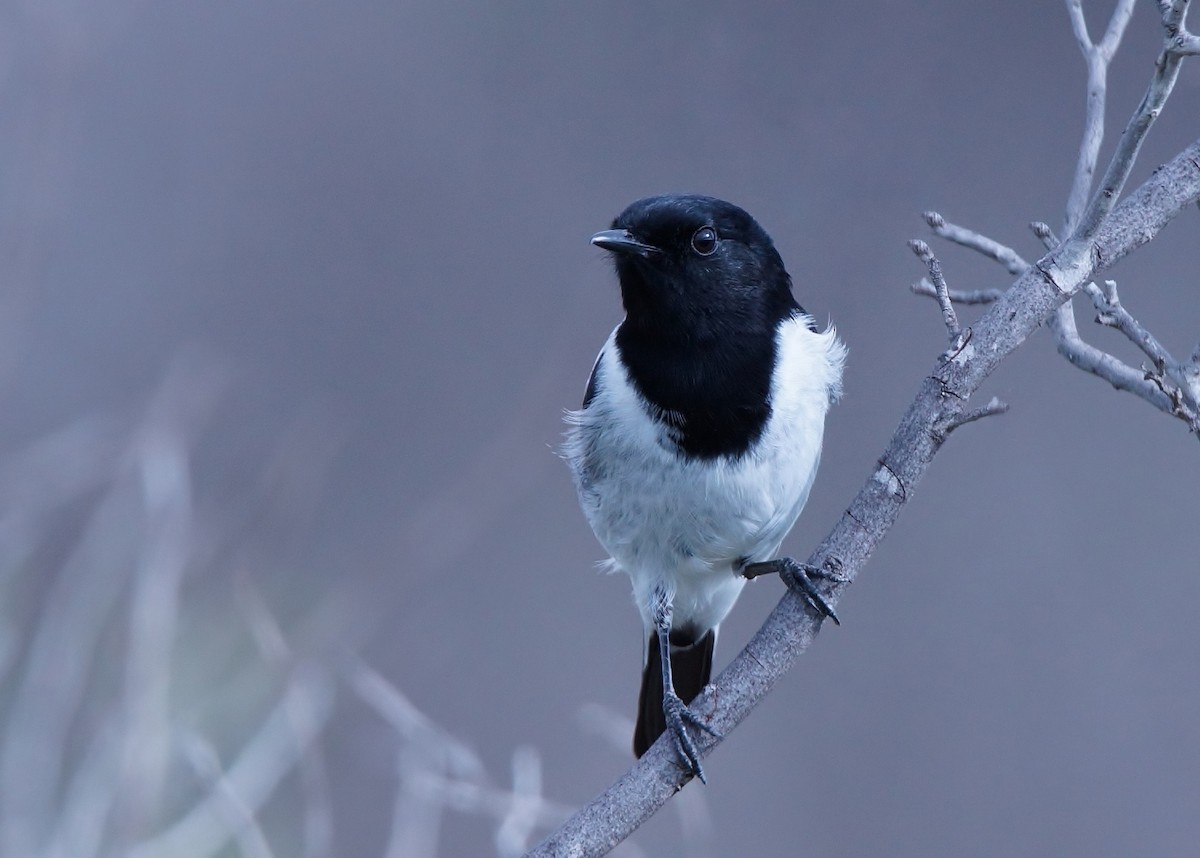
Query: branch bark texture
{"points": [[941, 401]]}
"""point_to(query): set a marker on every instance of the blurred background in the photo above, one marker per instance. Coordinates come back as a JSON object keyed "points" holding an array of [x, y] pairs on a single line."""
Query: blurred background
{"points": [[293, 297]]}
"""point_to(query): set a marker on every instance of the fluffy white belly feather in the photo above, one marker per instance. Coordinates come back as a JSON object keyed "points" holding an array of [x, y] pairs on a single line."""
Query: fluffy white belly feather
{"points": [[689, 525]]}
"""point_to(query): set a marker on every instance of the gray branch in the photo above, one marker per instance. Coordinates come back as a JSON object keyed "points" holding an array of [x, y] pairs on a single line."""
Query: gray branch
{"points": [[1166, 71], [1169, 386], [972, 240], [792, 626], [1103, 365], [1098, 57], [940, 290], [958, 296], [1105, 232]]}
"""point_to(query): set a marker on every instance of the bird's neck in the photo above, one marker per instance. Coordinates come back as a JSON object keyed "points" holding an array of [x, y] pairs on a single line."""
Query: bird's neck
{"points": [[712, 389]]}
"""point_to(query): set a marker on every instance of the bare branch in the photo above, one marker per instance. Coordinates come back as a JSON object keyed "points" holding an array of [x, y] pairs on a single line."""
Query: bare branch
{"points": [[958, 296], [1044, 234], [972, 240], [166, 488], [1194, 359], [525, 807], [412, 725], [1150, 387], [790, 628], [236, 814], [89, 797], [949, 317], [1116, 28], [76, 612], [1098, 57], [1111, 313], [1161, 84], [1177, 381], [270, 754], [995, 406], [274, 648], [1186, 45]]}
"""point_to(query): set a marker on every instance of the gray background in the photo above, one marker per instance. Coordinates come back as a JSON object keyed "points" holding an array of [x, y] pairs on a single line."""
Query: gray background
{"points": [[372, 218]]}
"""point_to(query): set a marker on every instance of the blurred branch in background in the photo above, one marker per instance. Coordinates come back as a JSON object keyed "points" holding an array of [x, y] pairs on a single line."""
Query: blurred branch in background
{"points": [[109, 744]]}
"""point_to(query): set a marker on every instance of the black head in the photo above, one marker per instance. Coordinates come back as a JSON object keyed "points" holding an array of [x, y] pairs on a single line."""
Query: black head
{"points": [[696, 267], [704, 292]]}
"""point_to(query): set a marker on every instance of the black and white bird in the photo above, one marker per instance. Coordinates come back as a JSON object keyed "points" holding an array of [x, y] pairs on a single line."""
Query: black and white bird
{"points": [[699, 435]]}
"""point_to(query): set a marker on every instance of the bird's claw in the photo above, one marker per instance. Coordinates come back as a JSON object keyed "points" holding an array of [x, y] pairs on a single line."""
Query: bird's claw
{"points": [[798, 576], [678, 716]]}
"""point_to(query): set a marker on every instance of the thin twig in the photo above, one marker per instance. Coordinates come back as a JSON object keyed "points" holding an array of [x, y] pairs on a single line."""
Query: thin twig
{"points": [[968, 238], [995, 406], [1161, 84], [1151, 386], [1098, 57], [949, 316], [1112, 313], [412, 725], [1044, 234], [958, 296]]}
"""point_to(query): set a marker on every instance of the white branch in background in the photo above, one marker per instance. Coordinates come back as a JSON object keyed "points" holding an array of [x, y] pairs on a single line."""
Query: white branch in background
{"points": [[439, 772], [409, 722], [52, 689], [270, 755], [238, 816], [153, 615], [88, 800], [274, 649], [525, 806], [56, 669]]}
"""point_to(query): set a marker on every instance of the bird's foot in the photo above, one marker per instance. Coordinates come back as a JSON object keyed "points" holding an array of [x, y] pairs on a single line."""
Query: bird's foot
{"points": [[799, 577], [678, 716]]}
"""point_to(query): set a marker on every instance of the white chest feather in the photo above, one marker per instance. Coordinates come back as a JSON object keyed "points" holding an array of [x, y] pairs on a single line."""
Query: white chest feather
{"points": [[684, 523]]}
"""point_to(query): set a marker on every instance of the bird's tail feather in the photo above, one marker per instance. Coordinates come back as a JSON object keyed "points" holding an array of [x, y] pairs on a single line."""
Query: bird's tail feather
{"points": [[691, 668]]}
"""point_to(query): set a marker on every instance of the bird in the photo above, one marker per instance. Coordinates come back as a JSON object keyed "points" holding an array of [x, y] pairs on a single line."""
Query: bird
{"points": [[699, 436]]}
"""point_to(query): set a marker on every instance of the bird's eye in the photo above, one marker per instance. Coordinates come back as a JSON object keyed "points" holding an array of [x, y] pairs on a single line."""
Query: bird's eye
{"points": [[704, 241]]}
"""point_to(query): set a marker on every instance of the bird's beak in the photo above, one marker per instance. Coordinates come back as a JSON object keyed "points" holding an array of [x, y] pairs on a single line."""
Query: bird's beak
{"points": [[622, 241]]}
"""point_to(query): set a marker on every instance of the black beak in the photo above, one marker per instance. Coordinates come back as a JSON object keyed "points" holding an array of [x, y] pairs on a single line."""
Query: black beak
{"points": [[622, 241]]}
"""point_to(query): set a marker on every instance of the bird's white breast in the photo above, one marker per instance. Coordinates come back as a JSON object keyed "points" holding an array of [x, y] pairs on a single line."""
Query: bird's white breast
{"points": [[685, 523]]}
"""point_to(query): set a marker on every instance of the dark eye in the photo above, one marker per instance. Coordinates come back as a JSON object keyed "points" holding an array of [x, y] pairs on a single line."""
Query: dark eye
{"points": [[704, 241]]}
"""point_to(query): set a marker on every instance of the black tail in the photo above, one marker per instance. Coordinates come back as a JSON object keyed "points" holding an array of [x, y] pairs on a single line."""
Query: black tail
{"points": [[691, 668]]}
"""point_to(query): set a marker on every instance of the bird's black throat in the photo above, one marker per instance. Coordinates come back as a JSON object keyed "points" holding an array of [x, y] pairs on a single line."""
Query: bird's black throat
{"points": [[713, 393]]}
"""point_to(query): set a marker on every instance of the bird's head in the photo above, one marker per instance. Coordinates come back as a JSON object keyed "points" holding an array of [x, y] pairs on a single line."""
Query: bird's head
{"points": [[696, 267]]}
